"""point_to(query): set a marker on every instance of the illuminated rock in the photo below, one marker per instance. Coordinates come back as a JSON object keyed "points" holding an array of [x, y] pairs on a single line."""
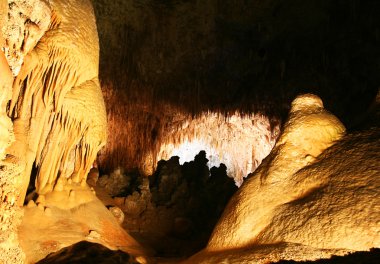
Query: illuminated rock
{"points": [[27, 22], [52, 122], [240, 142], [59, 221], [57, 106], [315, 195], [6, 127], [117, 213], [10, 214]]}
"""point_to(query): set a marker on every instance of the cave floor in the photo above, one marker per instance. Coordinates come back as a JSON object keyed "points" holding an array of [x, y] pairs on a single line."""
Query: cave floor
{"points": [[63, 218]]}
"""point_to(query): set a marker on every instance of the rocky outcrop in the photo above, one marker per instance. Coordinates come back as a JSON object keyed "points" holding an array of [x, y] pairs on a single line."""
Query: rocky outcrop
{"points": [[174, 210], [309, 130], [52, 124], [56, 104], [10, 251], [26, 23], [86, 252], [372, 256], [62, 218], [238, 141], [318, 188]]}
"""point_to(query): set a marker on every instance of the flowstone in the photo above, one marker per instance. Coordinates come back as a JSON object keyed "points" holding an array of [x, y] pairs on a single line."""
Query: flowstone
{"points": [[315, 195]]}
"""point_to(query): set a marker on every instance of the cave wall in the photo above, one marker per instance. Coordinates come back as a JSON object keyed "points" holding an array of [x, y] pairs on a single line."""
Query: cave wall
{"points": [[10, 214], [250, 56]]}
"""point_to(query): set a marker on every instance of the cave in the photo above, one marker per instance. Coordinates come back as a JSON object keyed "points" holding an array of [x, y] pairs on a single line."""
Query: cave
{"points": [[184, 131]]}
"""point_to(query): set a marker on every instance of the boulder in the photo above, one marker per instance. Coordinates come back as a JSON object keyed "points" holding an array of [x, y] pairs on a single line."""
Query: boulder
{"points": [[315, 195]]}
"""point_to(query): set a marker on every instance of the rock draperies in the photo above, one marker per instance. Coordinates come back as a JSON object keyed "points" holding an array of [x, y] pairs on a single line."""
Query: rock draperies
{"points": [[57, 108], [52, 114]]}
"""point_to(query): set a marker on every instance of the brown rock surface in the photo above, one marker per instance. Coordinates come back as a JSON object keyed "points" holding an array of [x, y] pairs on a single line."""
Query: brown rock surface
{"points": [[52, 124], [10, 214], [318, 191], [86, 252], [62, 218], [56, 104]]}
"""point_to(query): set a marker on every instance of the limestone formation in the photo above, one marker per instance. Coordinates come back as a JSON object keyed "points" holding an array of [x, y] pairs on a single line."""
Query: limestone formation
{"points": [[63, 218], [117, 213], [309, 130], [6, 130], [317, 192], [10, 214], [116, 183], [56, 105], [173, 211], [240, 142], [86, 252], [27, 22], [52, 124]]}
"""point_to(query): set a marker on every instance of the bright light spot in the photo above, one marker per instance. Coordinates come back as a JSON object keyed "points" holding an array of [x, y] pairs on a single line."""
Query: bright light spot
{"points": [[240, 142], [188, 150]]}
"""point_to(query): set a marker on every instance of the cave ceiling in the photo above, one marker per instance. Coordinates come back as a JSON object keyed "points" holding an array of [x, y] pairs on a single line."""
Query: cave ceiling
{"points": [[242, 55]]}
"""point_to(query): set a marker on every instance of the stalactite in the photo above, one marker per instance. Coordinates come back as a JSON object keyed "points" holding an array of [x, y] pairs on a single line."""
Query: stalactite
{"points": [[57, 106], [131, 145]]}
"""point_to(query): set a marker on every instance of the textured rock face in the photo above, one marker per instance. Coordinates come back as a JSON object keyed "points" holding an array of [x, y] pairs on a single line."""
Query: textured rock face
{"points": [[309, 130], [27, 22], [173, 211], [298, 195], [86, 252], [10, 251], [52, 114], [239, 142], [161, 57], [56, 106], [62, 218], [6, 130]]}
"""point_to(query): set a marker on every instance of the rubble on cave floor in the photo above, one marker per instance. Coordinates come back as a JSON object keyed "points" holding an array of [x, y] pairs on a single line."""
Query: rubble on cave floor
{"points": [[174, 210], [64, 217], [87, 252]]}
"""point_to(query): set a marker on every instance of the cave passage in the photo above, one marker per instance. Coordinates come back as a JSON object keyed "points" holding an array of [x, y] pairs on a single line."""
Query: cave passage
{"points": [[174, 210], [241, 130]]}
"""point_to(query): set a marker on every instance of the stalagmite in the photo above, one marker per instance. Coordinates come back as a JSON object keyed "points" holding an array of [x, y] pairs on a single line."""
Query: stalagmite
{"points": [[52, 125], [313, 196], [57, 107], [309, 130]]}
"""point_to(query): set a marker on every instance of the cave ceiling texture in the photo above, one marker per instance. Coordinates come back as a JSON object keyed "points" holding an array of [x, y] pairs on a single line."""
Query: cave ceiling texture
{"points": [[189, 131], [161, 57]]}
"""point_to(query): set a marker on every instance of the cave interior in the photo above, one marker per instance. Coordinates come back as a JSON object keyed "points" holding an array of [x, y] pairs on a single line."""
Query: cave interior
{"points": [[196, 96]]}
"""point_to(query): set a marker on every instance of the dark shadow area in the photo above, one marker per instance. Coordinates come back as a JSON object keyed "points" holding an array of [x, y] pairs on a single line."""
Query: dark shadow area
{"points": [[242, 55], [175, 210], [225, 56], [30, 193], [360, 257], [85, 252]]}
